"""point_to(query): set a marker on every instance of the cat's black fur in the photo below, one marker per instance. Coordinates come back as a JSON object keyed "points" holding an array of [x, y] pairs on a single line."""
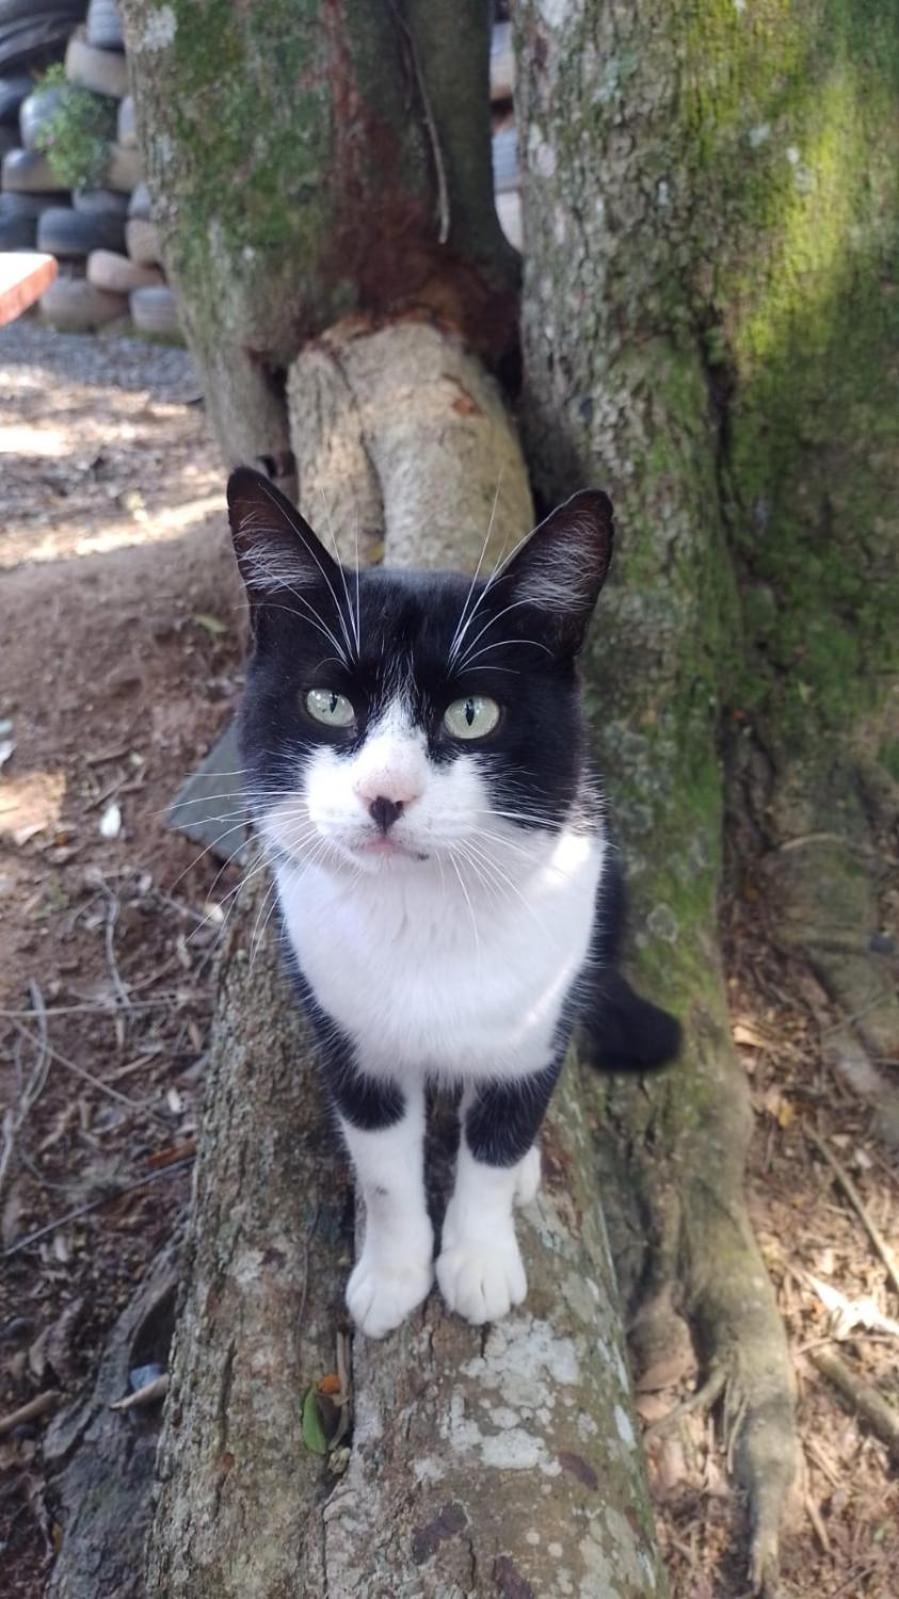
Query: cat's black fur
{"points": [[536, 760]]}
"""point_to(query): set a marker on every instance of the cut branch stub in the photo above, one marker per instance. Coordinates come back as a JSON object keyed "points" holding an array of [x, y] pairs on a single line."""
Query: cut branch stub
{"points": [[403, 443]]}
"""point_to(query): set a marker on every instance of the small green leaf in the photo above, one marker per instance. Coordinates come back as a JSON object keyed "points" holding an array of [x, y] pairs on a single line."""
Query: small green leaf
{"points": [[313, 1431], [212, 624]]}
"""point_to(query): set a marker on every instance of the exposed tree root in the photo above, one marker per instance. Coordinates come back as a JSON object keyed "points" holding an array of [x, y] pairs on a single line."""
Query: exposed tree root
{"points": [[101, 1462], [703, 1264], [829, 863]]}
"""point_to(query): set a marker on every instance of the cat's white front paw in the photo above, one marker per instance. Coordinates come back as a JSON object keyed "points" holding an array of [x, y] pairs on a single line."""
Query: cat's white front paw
{"points": [[482, 1279], [381, 1293]]}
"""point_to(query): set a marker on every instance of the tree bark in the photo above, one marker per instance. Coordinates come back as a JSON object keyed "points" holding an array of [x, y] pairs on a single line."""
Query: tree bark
{"points": [[479, 1462], [308, 159], [710, 332]]}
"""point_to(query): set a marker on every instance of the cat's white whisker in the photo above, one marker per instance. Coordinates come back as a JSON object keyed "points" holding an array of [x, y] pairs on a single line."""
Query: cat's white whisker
{"points": [[492, 622], [500, 566], [467, 897], [460, 625], [349, 607]]}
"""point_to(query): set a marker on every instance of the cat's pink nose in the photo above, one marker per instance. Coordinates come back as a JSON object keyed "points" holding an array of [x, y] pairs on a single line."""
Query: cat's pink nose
{"points": [[383, 788]]}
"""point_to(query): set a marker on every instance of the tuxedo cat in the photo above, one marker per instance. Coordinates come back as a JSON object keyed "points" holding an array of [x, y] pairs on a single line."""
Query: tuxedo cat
{"points": [[417, 769]]}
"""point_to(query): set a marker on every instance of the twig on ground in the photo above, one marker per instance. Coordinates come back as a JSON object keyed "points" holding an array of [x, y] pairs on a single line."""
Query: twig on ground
{"points": [[95, 1204], [100, 1008], [112, 913], [867, 1401], [135, 1106], [150, 1392], [849, 1021], [814, 1516], [30, 1412], [858, 1205], [15, 1118]]}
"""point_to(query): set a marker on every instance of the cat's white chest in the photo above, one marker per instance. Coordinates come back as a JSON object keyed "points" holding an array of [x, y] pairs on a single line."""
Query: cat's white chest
{"points": [[427, 974]]}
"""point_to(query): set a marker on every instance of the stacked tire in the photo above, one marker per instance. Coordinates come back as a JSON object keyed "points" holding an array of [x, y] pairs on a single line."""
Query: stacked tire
{"points": [[94, 220], [153, 308], [103, 238], [33, 34]]}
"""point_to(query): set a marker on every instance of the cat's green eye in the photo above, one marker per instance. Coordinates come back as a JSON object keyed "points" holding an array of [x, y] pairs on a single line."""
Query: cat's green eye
{"points": [[473, 717], [329, 707]]}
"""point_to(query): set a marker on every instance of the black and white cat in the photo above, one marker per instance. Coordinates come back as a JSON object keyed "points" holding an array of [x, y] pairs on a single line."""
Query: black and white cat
{"points": [[417, 769]]}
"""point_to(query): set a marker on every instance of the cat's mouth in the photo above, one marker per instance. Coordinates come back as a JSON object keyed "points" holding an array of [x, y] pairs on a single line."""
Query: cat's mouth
{"points": [[386, 846]]}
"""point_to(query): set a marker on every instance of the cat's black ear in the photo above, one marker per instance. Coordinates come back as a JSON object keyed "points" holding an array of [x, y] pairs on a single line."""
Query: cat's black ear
{"points": [[562, 566], [276, 549]]}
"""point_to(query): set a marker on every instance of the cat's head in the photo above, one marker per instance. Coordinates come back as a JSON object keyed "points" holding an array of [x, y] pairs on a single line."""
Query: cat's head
{"points": [[395, 716]]}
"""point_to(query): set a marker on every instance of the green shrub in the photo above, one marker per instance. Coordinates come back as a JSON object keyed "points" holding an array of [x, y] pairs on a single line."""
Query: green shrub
{"points": [[77, 135]]}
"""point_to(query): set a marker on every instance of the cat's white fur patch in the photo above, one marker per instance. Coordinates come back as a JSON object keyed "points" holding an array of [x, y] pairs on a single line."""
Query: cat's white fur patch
{"points": [[395, 1267], [454, 960], [480, 1269], [450, 962]]}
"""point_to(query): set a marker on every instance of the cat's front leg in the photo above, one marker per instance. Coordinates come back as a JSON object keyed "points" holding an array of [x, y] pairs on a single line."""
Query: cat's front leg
{"points": [[384, 1129], [479, 1269]]}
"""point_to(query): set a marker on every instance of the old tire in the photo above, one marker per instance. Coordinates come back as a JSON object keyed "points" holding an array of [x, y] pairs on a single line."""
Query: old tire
{"points": [[26, 205], [142, 242], [12, 92], [28, 172], [36, 34], [139, 204], [35, 112], [74, 306], [155, 311], [124, 170], [126, 133], [94, 201], [104, 25], [504, 148], [17, 232], [115, 273], [104, 71], [68, 233]]}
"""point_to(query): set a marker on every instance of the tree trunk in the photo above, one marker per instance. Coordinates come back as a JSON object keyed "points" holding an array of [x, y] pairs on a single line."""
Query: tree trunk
{"points": [[321, 177], [307, 160], [711, 333], [499, 1462]]}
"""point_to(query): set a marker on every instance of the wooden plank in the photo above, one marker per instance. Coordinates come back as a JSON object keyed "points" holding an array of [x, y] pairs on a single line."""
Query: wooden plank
{"points": [[24, 275]]}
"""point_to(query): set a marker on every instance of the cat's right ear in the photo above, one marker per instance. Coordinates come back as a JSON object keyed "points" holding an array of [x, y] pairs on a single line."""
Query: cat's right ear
{"points": [[277, 552]]}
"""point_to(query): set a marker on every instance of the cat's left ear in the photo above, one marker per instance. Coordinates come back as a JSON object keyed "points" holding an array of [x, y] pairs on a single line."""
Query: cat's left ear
{"points": [[563, 565], [276, 548]]}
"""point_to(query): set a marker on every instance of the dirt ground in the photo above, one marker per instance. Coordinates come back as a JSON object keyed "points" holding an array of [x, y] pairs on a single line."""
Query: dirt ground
{"points": [[120, 628]]}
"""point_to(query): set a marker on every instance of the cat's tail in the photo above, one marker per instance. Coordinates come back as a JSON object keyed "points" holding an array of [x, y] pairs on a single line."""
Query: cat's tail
{"points": [[620, 1032]]}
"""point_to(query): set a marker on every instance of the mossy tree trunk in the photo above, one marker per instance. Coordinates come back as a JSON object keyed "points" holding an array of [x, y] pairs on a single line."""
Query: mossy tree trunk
{"points": [[321, 174], [712, 333], [308, 161]]}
